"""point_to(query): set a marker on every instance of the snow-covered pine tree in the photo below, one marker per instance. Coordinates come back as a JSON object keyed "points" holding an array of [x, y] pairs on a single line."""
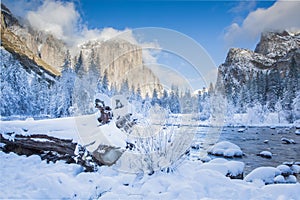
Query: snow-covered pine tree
{"points": [[105, 84], [296, 106], [155, 99], [174, 103], [62, 91], [125, 88], [164, 100]]}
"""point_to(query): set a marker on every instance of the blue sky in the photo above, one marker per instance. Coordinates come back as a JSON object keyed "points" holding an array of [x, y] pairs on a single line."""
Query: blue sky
{"points": [[204, 21], [215, 25]]}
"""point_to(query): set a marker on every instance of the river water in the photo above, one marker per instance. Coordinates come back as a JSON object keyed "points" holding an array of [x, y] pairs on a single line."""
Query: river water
{"points": [[252, 141]]}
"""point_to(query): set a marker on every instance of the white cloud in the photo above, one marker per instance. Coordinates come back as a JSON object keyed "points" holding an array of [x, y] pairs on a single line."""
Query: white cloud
{"points": [[58, 18], [281, 15], [63, 21]]}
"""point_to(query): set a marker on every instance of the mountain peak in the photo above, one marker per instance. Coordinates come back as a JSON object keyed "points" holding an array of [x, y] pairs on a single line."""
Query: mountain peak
{"points": [[8, 18], [276, 45], [247, 58]]}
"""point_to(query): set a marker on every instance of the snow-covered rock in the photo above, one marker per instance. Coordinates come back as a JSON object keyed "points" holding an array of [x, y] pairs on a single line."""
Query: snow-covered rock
{"points": [[265, 154], [288, 141], [296, 169], [291, 179], [272, 127], [285, 170], [241, 130], [107, 155], [264, 174], [279, 179], [297, 132], [226, 149], [290, 163]]}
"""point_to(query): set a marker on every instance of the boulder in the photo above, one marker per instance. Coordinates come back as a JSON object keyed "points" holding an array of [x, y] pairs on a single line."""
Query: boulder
{"points": [[265, 154], [107, 155]]}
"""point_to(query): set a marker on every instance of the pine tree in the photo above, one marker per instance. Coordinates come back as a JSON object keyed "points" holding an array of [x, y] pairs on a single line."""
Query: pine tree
{"points": [[63, 91], [125, 88], [211, 89], [79, 68], [138, 94], [105, 83], [274, 88], [174, 103], [164, 99], [155, 99]]}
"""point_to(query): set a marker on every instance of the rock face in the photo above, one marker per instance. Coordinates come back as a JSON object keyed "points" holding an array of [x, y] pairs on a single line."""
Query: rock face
{"points": [[13, 41], [40, 77], [122, 61], [268, 76], [277, 45]]}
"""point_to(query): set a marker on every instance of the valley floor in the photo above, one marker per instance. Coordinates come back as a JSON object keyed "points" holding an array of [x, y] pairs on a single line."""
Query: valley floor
{"points": [[31, 178]]}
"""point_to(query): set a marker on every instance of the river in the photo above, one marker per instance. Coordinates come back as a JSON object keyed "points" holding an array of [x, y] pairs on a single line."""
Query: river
{"points": [[252, 141]]}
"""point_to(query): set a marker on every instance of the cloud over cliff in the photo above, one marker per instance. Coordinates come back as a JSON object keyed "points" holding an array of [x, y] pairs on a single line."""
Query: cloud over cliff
{"points": [[281, 15]]}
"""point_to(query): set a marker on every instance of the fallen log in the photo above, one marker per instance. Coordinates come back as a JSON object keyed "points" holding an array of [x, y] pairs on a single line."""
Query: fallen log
{"points": [[49, 148]]}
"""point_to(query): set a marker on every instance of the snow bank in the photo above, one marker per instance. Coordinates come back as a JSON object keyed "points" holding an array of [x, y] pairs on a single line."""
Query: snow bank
{"points": [[30, 178], [227, 168], [82, 129], [252, 119], [62, 128], [226, 149]]}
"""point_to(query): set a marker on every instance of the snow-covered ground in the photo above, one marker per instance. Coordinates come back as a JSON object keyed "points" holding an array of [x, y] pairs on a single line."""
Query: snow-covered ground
{"points": [[29, 177]]}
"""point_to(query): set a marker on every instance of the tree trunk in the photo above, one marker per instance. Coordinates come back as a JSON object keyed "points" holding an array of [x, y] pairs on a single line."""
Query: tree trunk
{"points": [[48, 148]]}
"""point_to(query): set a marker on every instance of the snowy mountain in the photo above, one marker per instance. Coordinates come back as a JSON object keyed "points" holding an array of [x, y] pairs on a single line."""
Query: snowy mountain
{"points": [[268, 78], [43, 76]]}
